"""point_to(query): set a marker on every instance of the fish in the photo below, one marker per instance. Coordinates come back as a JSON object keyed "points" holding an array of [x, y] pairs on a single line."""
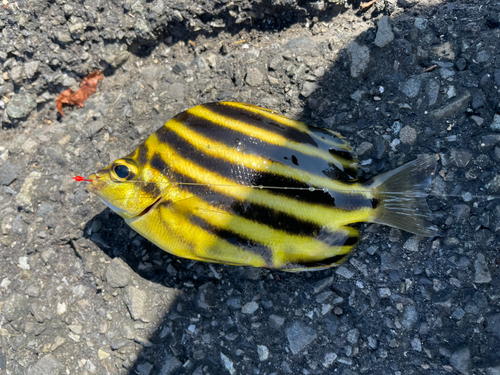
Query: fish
{"points": [[237, 184]]}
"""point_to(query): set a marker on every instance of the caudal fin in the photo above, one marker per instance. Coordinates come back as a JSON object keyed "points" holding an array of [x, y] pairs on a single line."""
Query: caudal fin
{"points": [[401, 197]]}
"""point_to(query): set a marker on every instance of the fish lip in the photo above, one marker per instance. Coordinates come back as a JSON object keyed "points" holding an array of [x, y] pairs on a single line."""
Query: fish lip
{"points": [[148, 208]]}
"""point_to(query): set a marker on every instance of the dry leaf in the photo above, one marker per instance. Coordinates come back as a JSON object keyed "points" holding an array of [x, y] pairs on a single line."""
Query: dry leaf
{"points": [[87, 88]]}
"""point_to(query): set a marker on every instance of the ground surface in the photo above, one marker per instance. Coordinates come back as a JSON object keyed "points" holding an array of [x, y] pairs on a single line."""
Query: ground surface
{"points": [[81, 293]]}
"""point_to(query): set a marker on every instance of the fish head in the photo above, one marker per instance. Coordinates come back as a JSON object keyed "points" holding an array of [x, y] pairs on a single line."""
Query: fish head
{"points": [[129, 188]]}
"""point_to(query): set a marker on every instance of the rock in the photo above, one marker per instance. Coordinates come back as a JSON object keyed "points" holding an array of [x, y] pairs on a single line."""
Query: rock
{"points": [[495, 125], [48, 365], [300, 336], [170, 364], [483, 56], [461, 360], [478, 99], [20, 105], [432, 91], [384, 292], [444, 51], [143, 31], [136, 301], [301, 45], [118, 273], [359, 57], [384, 33], [493, 324], [460, 158], [205, 298], [344, 272], [254, 77], [482, 274], [363, 148], [416, 344], [145, 368], [477, 120], [31, 68], [453, 109], [458, 313], [353, 336], [410, 317], [27, 190], [276, 321], [408, 135], [421, 23], [410, 87], [250, 307], [115, 54], [263, 352], [461, 64], [14, 306], [228, 364], [8, 173], [308, 88]]}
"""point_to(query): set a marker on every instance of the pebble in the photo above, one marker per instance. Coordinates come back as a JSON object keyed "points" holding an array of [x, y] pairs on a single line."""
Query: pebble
{"points": [[263, 352], [228, 364], [408, 135], [482, 274], [410, 317], [329, 359], [145, 368], [344, 272], [308, 88], [353, 336], [461, 361], [477, 120], [461, 64], [384, 292], [47, 365], [416, 344], [115, 54], [250, 307], [421, 23], [136, 301], [458, 313], [20, 105], [170, 364], [8, 173], [359, 57], [254, 77], [478, 99], [300, 336], [31, 68], [363, 148], [411, 87], [452, 109], [432, 91], [495, 125], [118, 273], [483, 56], [276, 321], [103, 354], [384, 33]]}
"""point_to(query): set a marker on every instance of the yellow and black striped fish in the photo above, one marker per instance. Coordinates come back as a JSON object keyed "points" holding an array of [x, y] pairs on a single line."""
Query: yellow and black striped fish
{"points": [[237, 184]]}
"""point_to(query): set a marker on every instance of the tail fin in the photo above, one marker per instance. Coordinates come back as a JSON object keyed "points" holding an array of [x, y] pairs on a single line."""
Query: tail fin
{"points": [[401, 197]]}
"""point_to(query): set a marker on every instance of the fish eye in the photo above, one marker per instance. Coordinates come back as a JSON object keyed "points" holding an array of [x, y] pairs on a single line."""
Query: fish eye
{"points": [[121, 171]]}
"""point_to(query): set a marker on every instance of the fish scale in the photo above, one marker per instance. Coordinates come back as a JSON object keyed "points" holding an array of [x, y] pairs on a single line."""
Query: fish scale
{"points": [[237, 184]]}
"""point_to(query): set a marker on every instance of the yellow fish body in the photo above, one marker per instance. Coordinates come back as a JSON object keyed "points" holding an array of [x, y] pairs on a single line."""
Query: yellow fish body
{"points": [[238, 184]]}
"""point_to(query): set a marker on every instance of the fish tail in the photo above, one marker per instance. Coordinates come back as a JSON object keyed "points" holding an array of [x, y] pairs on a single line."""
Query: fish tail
{"points": [[400, 197]]}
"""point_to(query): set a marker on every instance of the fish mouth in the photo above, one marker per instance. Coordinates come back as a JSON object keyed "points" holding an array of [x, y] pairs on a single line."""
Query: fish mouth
{"points": [[148, 208]]}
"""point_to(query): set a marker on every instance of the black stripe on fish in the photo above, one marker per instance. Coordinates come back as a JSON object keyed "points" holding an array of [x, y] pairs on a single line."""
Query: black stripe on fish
{"points": [[245, 244]]}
